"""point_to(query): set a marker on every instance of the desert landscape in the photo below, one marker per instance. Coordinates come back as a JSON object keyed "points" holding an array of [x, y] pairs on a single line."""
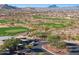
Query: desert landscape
{"points": [[53, 29]]}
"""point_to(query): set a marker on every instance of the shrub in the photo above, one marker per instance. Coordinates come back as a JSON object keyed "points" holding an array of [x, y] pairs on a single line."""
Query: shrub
{"points": [[29, 46]]}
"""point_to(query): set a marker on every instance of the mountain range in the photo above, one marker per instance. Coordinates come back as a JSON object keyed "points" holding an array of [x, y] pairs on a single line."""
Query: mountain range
{"points": [[6, 6], [51, 7]]}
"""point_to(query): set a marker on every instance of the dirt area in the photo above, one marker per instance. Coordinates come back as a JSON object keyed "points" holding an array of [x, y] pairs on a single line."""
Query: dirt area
{"points": [[55, 50], [3, 25], [1, 42]]}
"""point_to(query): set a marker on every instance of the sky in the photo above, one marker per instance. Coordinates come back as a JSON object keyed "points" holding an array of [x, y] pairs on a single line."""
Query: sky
{"points": [[42, 5]]}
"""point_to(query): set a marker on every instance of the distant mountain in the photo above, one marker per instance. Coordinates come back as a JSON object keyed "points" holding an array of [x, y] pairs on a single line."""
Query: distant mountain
{"points": [[6, 6], [53, 6]]}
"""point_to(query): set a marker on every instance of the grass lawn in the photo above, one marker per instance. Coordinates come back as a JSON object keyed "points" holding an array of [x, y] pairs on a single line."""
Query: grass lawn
{"points": [[10, 31]]}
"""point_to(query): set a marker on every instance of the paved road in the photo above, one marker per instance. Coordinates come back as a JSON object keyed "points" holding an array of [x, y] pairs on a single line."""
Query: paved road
{"points": [[36, 50], [73, 49]]}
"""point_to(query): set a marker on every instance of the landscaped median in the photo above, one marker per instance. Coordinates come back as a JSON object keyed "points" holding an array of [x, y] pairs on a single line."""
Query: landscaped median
{"points": [[53, 50]]}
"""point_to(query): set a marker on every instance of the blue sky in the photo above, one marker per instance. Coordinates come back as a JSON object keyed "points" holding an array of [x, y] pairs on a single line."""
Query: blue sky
{"points": [[43, 5]]}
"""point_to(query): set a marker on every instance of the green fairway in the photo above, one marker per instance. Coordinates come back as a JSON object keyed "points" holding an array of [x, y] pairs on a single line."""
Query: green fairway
{"points": [[12, 31], [5, 21], [55, 25], [39, 17], [47, 17]]}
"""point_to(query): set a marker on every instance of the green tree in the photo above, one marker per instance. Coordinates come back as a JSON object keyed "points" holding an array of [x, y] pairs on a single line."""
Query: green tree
{"points": [[53, 39], [2, 48]]}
